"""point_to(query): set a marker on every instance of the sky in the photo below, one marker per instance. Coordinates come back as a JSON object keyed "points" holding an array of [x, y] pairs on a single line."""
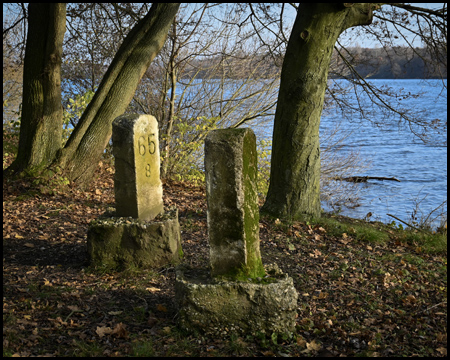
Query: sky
{"points": [[365, 41]]}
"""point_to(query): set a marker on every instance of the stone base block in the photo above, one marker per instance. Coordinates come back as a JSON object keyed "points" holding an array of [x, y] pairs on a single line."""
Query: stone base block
{"points": [[220, 307], [119, 242]]}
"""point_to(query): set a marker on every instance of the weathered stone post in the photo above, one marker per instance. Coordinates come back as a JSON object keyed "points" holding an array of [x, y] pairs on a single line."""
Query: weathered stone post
{"points": [[137, 185], [137, 233], [232, 196], [237, 294]]}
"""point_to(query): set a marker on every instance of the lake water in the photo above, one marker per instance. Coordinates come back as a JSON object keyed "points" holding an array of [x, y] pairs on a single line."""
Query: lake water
{"points": [[395, 152]]}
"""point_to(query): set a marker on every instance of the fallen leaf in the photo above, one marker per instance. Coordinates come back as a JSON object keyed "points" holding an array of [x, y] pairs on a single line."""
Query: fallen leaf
{"points": [[312, 346], [161, 307], [115, 312], [26, 244], [268, 353], [152, 289], [74, 308], [103, 330], [301, 341], [119, 331]]}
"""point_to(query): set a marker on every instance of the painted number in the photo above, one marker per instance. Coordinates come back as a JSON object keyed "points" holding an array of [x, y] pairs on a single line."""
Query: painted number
{"points": [[142, 143], [147, 170]]}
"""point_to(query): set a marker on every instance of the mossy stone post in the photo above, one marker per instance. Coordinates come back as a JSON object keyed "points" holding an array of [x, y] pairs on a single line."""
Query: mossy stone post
{"points": [[137, 182], [237, 294], [232, 197]]}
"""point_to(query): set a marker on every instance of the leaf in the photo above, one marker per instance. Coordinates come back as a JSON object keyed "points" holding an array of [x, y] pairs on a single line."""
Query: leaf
{"points": [[119, 331], [152, 289], [312, 346], [103, 330], [161, 307], [301, 341], [115, 312]]}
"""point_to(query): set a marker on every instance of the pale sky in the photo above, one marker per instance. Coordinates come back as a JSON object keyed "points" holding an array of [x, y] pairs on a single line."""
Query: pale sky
{"points": [[365, 41]]}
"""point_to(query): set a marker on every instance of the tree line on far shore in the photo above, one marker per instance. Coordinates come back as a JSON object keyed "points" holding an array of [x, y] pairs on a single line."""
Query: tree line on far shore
{"points": [[371, 63]]}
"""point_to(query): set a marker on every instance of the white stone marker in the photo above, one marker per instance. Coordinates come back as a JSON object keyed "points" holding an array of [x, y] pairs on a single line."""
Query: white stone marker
{"points": [[137, 183]]}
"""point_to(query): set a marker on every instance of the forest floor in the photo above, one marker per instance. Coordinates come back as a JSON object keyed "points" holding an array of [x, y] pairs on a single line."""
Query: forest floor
{"points": [[365, 289]]}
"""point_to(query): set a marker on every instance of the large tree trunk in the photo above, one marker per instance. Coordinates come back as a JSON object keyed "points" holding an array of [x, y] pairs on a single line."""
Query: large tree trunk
{"points": [[80, 156], [295, 165], [42, 113]]}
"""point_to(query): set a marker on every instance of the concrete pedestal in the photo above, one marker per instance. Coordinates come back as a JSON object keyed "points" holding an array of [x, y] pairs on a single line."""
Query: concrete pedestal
{"points": [[119, 242], [214, 307]]}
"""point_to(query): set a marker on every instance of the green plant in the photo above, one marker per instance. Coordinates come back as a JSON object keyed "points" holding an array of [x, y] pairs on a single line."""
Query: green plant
{"points": [[73, 111], [264, 148], [143, 348], [184, 162]]}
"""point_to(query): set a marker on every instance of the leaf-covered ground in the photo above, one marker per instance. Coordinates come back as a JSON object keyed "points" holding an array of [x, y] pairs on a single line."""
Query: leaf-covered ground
{"points": [[357, 296]]}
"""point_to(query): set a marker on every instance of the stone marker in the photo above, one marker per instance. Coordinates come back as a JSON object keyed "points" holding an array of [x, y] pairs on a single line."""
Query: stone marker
{"points": [[236, 295], [134, 234], [232, 197], [137, 183]]}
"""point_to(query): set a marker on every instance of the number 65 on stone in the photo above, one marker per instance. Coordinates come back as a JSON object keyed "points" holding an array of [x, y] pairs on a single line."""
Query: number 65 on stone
{"points": [[137, 182]]}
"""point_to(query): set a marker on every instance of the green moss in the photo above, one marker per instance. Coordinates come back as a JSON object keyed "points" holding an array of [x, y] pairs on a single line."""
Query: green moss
{"points": [[254, 266], [245, 273]]}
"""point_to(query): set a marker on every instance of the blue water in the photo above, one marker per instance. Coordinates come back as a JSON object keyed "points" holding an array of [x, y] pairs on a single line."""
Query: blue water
{"points": [[394, 151]]}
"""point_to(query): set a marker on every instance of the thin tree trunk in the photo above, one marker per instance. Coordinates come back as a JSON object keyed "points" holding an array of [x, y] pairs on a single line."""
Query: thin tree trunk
{"points": [[84, 148], [42, 113], [173, 79], [295, 164]]}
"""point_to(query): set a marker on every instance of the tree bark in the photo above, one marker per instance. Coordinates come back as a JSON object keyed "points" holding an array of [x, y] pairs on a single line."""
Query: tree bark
{"points": [[80, 156], [42, 113], [294, 188]]}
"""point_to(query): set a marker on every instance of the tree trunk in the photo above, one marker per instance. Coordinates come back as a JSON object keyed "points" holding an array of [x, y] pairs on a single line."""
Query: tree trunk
{"points": [[42, 112], [173, 87], [80, 156], [295, 165]]}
